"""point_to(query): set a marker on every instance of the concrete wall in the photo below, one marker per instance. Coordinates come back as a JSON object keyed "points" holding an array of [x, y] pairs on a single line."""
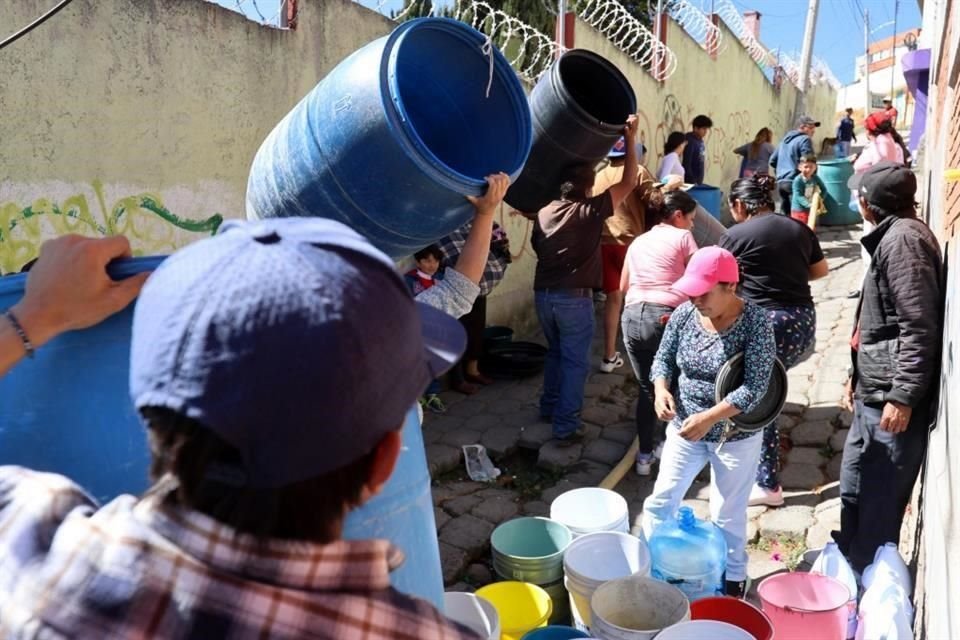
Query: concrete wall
{"points": [[142, 116], [730, 89]]}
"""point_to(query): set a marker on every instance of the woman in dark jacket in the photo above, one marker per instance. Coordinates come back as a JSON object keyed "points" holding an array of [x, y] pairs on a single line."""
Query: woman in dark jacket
{"points": [[779, 257]]}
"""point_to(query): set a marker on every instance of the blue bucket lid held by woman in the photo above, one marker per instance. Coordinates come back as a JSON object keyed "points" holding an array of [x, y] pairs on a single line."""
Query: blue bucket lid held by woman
{"points": [[707, 268]]}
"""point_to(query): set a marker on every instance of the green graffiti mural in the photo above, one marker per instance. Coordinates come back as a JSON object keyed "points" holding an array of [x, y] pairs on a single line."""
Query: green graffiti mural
{"points": [[143, 218]]}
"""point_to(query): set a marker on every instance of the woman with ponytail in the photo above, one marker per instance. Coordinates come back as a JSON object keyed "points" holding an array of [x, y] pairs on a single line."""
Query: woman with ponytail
{"points": [[778, 256]]}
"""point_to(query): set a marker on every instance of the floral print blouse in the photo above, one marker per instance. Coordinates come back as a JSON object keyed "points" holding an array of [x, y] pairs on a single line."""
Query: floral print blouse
{"points": [[698, 354]]}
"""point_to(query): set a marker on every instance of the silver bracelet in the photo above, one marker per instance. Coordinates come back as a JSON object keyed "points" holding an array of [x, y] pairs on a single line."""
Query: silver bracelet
{"points": [[27, 345]]}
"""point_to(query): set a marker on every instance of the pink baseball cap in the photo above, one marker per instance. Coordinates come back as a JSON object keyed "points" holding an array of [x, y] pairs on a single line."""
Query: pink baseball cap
{"points": [[707, 267]]}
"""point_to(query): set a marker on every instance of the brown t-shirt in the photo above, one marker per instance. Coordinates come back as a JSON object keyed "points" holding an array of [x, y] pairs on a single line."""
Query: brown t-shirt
{"points": [[566, 237], [629, 219]]}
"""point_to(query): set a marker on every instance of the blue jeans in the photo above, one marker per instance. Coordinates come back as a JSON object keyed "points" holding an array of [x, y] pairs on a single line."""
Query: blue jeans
{"points": [[567, 323]]}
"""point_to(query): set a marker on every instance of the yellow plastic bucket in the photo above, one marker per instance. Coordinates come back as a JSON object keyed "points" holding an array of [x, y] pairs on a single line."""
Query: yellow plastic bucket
{"points": [[521, 606]]}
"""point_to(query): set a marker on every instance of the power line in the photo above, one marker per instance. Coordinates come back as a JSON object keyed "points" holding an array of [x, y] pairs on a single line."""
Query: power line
{"points": [[36, 23]]}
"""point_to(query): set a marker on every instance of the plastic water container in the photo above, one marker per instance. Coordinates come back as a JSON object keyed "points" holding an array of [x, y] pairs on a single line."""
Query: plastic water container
{"points": [[395, 136], [707, 230], [831, 563], [636, 608], [521, 606], [735, 611], [531, 550], [689, 553], [834, 174], [596, 558], [403, 514], [473, 612], [888, 558], [579, 108], [709, 197], [703, 629], [591, 509], [799, 602], [886, 612], [68, 409]]}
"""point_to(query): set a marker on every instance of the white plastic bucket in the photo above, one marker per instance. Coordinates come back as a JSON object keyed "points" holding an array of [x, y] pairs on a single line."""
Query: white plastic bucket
{"points": [[591, 509], [596, 558], [636, 608], [473, 612], [704, 630]]}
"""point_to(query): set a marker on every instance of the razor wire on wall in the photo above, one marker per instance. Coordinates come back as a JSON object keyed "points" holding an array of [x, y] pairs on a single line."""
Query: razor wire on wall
{"points": [[697, 24], [731, 17], [629, 35]]}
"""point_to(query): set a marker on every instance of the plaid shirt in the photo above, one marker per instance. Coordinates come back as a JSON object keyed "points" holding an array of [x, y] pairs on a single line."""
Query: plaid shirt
{"points": [[497, 259], [135, 569]]}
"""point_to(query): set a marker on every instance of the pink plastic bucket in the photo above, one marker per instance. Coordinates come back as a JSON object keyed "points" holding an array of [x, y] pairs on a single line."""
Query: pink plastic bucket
{"points": [[796, 603]]}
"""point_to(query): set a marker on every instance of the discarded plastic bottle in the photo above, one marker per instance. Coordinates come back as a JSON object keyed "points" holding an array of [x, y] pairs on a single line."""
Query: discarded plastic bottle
{"points": [[831, 563], [690, 554]]}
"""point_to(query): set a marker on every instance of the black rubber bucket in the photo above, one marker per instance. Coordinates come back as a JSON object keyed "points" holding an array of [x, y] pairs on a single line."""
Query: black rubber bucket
{"points": [[514, 360], [494, 336], [578, 110]]}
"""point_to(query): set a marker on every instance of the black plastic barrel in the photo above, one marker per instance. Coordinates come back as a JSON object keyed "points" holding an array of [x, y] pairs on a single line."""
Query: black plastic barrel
{"points": [[578, 109]]}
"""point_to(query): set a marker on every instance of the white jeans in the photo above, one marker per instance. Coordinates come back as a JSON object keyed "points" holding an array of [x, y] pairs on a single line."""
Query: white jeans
{"points": [[732, 472]]}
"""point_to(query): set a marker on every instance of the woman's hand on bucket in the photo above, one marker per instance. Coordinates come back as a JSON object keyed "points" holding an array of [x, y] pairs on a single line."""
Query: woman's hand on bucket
{"points": [[497, 185]]}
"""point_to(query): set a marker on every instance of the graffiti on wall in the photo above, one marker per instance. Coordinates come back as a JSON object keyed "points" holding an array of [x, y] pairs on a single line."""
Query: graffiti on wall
{"points": [[143, 218]]}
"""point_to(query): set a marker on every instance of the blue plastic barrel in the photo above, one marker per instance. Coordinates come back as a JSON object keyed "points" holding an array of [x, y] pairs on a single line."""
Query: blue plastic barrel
{"points": [[835, 174], [395, 136], [709, 198], [579, 108], [68, 409], [403, 514]]}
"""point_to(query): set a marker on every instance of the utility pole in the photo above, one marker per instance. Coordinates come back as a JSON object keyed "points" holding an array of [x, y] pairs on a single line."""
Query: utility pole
{"points": [[561, 26], [806, 55], [866, 62], [893, 72]]}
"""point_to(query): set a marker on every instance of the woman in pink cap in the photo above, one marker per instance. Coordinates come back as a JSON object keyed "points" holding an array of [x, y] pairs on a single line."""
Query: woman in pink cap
{"points": [[699, 338]]}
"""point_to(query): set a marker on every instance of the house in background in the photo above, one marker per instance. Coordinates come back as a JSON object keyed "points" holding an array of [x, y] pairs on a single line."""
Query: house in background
{"points": [[884, 64]]}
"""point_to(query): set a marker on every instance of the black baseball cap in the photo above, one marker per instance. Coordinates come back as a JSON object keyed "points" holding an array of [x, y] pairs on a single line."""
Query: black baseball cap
{"points": [[888, 185]]}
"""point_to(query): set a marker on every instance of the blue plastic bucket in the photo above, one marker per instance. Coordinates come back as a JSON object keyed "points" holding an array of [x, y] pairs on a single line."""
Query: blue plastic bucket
{"points": [[68, 410], [403, 514], [395, 136], [709, 198]]}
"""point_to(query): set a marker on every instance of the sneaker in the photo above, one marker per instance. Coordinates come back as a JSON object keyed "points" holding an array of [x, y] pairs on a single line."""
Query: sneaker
{"points": [[658, 451], [434, 404], [738, 589], [608, 366], [645, 463], [761, 496]]}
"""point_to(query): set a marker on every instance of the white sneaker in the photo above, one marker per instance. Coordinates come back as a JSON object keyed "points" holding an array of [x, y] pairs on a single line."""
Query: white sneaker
{"points": [[644, 464], [760, 496], [658, 452], [608, 366]]}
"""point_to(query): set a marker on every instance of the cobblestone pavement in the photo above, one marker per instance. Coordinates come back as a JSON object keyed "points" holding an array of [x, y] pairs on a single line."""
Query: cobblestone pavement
{"points": [[504, 418]]}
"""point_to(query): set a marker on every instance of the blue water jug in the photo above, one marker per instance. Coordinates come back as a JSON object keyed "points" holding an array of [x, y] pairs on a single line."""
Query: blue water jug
{"points": [[403, 513], [690, 554], [395, 136]]}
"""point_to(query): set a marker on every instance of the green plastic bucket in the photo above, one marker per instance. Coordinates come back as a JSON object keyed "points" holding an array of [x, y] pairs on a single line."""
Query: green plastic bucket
{"points": [[531, 550]]}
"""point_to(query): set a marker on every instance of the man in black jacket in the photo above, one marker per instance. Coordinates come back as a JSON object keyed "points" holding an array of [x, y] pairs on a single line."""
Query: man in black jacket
{"points": [[896, 357]]}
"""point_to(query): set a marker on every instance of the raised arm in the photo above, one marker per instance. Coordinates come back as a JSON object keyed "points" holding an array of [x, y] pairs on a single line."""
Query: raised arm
{"points": [[473, 258], [620, 191]]}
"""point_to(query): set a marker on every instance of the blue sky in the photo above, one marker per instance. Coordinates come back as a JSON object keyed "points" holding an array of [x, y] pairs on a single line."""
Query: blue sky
{"points": [[838, 41]]}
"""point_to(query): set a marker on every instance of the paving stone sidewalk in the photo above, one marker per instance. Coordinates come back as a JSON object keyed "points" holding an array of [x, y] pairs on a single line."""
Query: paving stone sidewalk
{"points": [[504, 418]]}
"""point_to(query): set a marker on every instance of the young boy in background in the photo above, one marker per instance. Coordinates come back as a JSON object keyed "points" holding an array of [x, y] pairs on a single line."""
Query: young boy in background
{"points": [[428, 273], [805, 186]]}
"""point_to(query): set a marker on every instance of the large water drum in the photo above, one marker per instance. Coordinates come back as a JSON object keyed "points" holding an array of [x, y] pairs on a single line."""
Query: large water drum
{"points": [[835, 174], [393, 139], [403, 513], [68, 409], [579, 110]]}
